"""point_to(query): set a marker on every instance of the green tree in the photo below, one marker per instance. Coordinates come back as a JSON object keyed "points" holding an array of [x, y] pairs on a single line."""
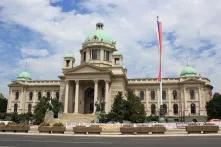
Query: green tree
{"points": [[3, 103], [213, 107], [134, 109], [40, 109], [55, 107], [99, 106], [118, 109]]}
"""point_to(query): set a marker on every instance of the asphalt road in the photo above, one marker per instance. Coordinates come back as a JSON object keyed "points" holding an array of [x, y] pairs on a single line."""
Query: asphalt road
{"points": [[73, 141]]}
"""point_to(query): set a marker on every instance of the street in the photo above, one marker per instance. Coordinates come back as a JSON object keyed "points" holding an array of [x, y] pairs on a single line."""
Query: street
{"points": [[7, 140]]}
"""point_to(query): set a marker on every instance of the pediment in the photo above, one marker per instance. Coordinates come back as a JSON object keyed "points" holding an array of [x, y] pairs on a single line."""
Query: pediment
{"points": [[192, 81], [86, 68]]}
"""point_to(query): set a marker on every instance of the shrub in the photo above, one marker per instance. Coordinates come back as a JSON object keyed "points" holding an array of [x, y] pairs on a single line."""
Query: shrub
{"points": [[2, 115], [103, 118], [2, 124], [11, 124], [44, 124], [152, 118], [58, 124]]}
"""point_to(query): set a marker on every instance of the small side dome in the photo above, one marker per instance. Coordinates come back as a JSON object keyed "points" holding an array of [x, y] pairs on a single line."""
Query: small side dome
{"points": [[24, 76], [117, 53], [68, 56], [188, 71], [99, 35]]}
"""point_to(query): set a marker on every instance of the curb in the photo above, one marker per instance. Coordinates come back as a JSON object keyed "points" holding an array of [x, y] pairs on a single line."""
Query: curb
{"points": [[110, 135]]}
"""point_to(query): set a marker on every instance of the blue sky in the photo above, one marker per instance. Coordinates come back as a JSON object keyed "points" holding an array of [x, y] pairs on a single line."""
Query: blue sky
{"points": [[40, 32]]}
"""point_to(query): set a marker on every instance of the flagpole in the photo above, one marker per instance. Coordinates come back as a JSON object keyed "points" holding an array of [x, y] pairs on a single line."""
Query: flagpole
{"points": [[161, 110]]}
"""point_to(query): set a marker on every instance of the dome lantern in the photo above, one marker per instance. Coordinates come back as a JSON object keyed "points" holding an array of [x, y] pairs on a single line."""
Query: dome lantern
{"points": [[99, 35]]}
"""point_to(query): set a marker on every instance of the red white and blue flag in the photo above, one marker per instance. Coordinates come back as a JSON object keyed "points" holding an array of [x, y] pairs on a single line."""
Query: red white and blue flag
{"points": [[160, 39]]}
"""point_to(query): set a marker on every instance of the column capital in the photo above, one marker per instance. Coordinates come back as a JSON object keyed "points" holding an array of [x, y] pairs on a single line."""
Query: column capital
{"points": [[76, 81], [96, 81]]}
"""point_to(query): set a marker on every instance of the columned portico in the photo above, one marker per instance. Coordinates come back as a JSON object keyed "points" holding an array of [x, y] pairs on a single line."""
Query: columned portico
{"points": [[76, 98]]}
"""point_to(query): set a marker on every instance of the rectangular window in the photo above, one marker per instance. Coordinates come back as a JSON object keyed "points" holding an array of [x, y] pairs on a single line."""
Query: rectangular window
{"points": [[117, 61], [16, 95], [142, 94], [39, 95], [48, 95], [106, 55], [67, 63], [84, 56], [57, 95], [95, 54]]}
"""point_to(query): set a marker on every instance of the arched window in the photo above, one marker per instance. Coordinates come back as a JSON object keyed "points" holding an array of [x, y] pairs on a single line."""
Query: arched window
{"points": [[192, 94], [153, 109], [152, 95], [48, 95], [39, 95], [164, 95], [174, 94], [193, 108], [30, 95], [16, 95], [15, 108], [57, 95], [165, 108], [29, 108], [175, 109], [142, 95]]}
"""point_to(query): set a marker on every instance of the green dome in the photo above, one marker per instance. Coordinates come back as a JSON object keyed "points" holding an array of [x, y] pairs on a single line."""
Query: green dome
{"points": [[24, 76], [68, 55], [99, 35], [188, 71], [117, 53]]}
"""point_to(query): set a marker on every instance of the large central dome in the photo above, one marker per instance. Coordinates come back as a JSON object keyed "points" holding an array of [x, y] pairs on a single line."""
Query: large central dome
{"points": [[99, 35]]}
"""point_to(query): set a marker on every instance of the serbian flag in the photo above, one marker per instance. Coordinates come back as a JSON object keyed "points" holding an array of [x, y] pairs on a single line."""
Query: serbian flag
{"points": [[160, 41]]}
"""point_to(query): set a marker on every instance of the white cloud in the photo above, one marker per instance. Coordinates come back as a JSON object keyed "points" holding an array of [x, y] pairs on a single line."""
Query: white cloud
{"points": [[29, 52], [128, 22]]}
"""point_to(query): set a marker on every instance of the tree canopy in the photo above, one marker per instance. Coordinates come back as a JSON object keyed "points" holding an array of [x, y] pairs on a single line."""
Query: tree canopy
{"points": [[213, 107], [130, 109], [46, 104], [40, 109], [3, 103]]}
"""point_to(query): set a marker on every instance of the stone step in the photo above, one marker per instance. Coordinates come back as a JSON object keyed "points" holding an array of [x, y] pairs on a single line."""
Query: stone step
{"points": [[77, 118]]}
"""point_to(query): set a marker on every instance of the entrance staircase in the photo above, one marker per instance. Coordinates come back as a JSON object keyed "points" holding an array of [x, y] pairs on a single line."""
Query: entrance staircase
{"points": [[75, 118]]}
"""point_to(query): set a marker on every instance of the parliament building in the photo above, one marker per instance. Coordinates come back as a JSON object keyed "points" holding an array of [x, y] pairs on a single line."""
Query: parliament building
{"points": [[101, 75]]}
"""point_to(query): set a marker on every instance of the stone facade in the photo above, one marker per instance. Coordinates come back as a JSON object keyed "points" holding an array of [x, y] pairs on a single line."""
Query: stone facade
{"points": [[101, 75]]}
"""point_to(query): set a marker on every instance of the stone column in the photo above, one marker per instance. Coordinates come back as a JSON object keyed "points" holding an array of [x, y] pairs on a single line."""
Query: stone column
{"points": [[158, 100], [66, 97], [147, 96], [201, 107], [170, 96], [95, 93], [76, 96], [9, 106], [186, 111], [107, 96]]}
